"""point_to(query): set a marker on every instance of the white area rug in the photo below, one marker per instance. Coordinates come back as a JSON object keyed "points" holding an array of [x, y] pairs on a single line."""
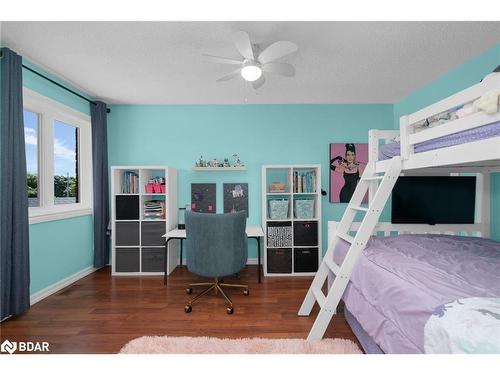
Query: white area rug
{"points": [[211, 345]]}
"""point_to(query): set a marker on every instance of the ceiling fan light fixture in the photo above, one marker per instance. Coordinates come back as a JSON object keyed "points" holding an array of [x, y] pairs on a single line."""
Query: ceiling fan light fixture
{"points": [[251, 72]]}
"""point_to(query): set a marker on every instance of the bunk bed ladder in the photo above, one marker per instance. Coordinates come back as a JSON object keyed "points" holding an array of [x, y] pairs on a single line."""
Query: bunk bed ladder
{"points": [[380, 187]]}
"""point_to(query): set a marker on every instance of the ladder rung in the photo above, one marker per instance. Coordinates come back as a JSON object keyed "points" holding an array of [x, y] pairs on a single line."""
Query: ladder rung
{"points": [[332, 266], [372, 178], [346, 237], [320, 297], [358, 208]]}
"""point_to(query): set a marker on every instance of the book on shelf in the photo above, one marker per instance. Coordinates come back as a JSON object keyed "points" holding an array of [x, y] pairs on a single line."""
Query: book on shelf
{"points": [[304, 182], [130, 183]]}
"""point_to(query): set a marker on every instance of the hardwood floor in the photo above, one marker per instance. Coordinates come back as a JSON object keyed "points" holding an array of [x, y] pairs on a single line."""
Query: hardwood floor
{"points": [[100, 313]]}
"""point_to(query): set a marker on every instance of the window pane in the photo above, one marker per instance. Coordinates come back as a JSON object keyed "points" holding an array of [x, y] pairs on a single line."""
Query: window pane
{"points": [[31, 148], [65, 163]]}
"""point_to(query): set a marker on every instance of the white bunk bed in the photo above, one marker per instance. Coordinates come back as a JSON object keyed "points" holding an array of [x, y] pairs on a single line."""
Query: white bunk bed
{"points": [[481, 156]]}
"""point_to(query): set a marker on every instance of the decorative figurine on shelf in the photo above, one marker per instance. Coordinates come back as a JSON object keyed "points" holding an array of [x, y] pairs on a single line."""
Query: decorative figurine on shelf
{"points": [[226, 163], [213, 163], [200, 162], [238, 162]]}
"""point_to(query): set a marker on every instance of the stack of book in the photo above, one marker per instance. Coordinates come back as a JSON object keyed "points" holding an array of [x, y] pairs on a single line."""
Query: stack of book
{"points": [[154, 209], [130, 183], [304, 182]]}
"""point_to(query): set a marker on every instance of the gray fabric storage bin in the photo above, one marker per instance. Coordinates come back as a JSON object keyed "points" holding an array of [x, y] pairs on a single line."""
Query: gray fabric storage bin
{"points": [[279, 260], [127, 233], [305, 233], [305, 260], [152, 232], [153, 259], [127, 259]]}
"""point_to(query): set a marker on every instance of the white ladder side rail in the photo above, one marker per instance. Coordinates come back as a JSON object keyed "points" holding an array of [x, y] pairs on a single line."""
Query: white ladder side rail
{"points": [[373, 149], [330, 303], [363, 234], [344, 226]]}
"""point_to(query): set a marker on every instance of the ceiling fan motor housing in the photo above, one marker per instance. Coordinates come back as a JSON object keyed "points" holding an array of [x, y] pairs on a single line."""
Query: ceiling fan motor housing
{"points": [[251, 70]]}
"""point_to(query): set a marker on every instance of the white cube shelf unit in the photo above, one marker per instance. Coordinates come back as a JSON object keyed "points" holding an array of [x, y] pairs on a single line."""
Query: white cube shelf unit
{"points": [[142, 211], [291, 217]]}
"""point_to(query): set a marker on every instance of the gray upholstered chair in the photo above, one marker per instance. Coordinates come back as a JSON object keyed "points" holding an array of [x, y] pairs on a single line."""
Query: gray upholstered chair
{"points": [[216, 247]]}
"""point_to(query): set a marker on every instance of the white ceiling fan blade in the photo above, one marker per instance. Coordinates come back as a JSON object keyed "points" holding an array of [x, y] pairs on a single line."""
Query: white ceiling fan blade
{"points": [[257, 84], [221, 60], [279, 68], [277, 50], [243, 45], [229, 76]]}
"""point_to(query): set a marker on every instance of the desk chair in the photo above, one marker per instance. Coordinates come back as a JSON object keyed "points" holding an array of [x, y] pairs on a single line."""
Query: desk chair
{"points": [[216, 247]]}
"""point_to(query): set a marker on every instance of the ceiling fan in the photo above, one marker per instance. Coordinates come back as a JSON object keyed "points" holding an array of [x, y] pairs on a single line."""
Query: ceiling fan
{"points": [[254, 62]]}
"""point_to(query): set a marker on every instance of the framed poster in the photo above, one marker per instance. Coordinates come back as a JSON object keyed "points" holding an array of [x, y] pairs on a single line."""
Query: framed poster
{"points": [[203, 198], [236, 197], [347, 163]]}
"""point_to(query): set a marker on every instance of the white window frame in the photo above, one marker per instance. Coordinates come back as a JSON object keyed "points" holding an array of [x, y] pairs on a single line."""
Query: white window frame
{"points": [[48, 112]]}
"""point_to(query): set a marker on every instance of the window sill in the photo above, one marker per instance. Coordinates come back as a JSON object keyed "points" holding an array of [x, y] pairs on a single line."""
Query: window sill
{"points": [[59, 214]]}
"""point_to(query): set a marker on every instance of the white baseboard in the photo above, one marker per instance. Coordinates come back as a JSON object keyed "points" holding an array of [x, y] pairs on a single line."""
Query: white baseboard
{"points": [[252, 261], [51, 289]]}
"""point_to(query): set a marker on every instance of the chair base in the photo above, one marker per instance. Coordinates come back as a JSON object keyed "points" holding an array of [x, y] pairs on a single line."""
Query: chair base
{"points": [[217, 286]]}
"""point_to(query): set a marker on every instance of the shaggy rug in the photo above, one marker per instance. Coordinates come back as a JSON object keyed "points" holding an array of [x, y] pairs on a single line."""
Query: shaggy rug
{"points": [[212, 345]]}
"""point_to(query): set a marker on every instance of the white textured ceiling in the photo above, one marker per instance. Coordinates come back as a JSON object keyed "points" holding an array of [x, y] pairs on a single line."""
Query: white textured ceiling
{"points": [[161, 62]]}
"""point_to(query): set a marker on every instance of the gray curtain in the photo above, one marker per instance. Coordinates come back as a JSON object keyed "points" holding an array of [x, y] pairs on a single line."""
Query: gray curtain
{"points": [[100, 181], [14, 225]]}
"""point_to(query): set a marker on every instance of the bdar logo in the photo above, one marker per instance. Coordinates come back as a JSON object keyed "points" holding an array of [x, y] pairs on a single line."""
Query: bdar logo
{"points": [[9, 347], [24, 346]]}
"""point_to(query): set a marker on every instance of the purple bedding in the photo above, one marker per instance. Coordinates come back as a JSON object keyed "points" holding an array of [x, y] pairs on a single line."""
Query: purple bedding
{"points": [[398, 281], [487, 131]]}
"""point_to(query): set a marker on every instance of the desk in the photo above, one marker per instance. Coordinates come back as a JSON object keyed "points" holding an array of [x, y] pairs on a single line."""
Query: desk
{"points": [[253, 231]]}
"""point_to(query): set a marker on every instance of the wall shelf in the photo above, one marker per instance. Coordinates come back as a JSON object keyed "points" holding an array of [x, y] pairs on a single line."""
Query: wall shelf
{"points": [[219, 169]]}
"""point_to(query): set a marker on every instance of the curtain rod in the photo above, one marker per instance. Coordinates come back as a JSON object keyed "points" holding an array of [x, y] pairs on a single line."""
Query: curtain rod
{"points": [[59, 85], [62, 86]]}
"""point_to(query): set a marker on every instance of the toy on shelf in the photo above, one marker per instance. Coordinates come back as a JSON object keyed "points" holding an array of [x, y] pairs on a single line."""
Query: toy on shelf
{"points": [[276, 187], [156, 185], [215, 163], [238, 162]]}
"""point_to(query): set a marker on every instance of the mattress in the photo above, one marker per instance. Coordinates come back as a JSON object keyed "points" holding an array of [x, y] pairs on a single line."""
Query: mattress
{"points": [[392, 149], [399, 281]]}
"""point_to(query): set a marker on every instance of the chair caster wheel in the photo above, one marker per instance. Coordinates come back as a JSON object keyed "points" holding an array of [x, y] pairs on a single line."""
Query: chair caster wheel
{"points": [[188, 308], [229, 310], [189, 290], [246, 292]]}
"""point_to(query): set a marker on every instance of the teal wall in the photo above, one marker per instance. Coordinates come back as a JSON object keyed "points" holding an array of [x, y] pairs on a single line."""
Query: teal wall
{"points": [[456, 80], [58, 248], [260, 134]]}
